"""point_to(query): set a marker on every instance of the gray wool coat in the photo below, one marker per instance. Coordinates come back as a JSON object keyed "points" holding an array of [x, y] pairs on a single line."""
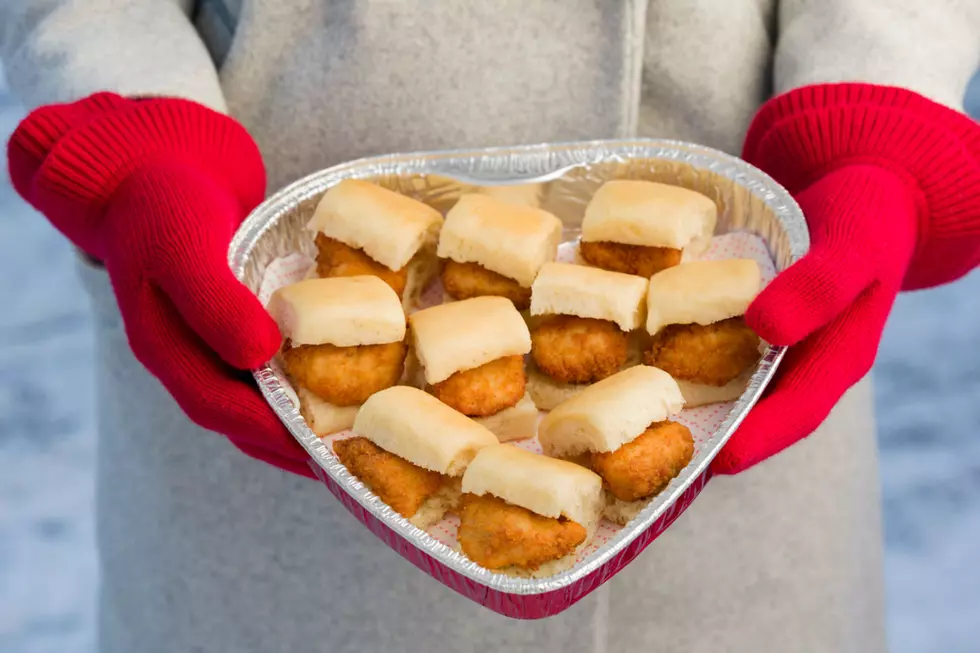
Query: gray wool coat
{"points": [[203, 549]]}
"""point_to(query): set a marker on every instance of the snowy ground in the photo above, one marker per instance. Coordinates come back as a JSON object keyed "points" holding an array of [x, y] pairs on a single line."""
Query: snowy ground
{"points": [[47, 436], [928, 384]]}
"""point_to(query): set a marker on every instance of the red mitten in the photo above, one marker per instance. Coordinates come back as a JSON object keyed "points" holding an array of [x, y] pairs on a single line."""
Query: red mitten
{"points": [[890, 185], [155, 190]]}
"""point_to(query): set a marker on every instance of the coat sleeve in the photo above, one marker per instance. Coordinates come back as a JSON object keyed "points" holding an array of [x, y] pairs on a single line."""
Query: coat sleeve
{"points": [[931, 47], [62, 50]]}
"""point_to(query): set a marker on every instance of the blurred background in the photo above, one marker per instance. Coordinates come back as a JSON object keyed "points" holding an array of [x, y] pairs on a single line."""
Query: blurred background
{"points": [[928, 400]]}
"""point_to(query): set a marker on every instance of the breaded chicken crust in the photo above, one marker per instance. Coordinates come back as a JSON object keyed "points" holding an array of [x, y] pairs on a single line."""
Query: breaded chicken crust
{"points": [[485, 390], [337, 259], [573, 349], [468, 280], [713, 354], [345, 376], [397, 482], [644, 466], [640, 260], [496, 534]]}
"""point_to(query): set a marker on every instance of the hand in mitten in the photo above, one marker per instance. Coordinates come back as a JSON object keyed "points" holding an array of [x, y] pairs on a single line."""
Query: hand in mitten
{"points": [[889, 183], [155, 189]]}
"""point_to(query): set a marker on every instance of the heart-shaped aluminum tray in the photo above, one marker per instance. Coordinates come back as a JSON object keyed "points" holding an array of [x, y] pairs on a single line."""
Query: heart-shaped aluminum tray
{"points": [[559, 178]]}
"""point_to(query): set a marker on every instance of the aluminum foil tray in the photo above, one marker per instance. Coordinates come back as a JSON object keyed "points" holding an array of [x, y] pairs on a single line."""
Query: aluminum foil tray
{"points": [[560, 178]]}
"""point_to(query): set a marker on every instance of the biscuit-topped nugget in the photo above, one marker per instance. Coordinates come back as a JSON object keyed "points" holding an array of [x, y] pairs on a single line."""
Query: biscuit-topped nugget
{"points": [[525, 514], [344, 341], [643, 227], [584, 334], [411, 450], [496, 247], [622, 429], [695, 316], [364, 229], [471, 354]]}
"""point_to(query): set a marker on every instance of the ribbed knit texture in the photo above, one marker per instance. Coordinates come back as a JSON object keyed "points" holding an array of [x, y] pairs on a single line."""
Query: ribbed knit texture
{"points": [[36, 138], [155, 189], [890, 185], [69, 159], [799, 136], [833, 303]]}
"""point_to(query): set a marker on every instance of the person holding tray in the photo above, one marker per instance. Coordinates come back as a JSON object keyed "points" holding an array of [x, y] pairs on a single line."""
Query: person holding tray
{"points": [[157, 126]]}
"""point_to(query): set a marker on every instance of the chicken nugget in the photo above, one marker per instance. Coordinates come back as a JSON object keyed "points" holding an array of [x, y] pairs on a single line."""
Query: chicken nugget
{"points": [[468, 280], [336, 259], [713, 354], [397, 482], [345, 376], [496, 534], [644, 466], [485, 390], [573, 349], [640, 260]]}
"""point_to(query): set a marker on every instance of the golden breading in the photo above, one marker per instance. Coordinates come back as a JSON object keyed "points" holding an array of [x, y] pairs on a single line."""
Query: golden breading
{"points": [[640, 260], [468, 280], [644, 466], [574, 349], [345, 376], [714, 354], [397, 482], [485, 390], [496, 534], [336, 259]]}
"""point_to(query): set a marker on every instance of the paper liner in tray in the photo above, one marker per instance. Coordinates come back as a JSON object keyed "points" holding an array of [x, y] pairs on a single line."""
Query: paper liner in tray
{"points": [[757, 219]]}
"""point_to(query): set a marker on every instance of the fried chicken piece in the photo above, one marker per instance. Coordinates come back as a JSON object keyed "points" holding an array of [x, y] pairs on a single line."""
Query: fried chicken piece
{"points": [[713, 354], [345, 376], [577, 349], [397, 482], [337, 259], [468, 280], [484, 390], [496, 534], [640, 260], [645, 466]]}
